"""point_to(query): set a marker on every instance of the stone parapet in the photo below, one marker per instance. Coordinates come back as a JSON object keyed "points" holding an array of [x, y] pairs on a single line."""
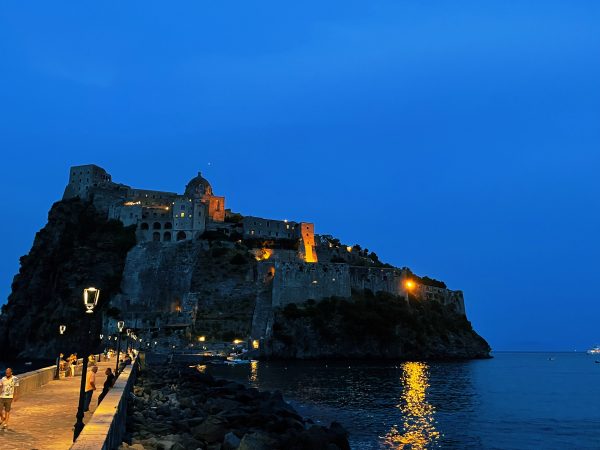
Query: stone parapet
{"points": [[106, 428]]}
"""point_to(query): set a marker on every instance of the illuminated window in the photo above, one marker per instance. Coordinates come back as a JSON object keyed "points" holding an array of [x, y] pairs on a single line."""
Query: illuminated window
{"points": [[182, 214]]}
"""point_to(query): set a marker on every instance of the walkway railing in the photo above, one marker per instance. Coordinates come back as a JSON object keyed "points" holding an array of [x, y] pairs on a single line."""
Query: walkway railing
{"points": [[106, 428], [30, 381]]}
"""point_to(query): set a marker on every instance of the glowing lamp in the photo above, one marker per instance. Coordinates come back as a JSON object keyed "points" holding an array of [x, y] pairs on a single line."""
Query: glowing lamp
{"points": [[409, 284], [202, 338], [90, 298], [128, 331], [237, 341], [101, 336], [255, 344], [62, 328], [120, 325]]}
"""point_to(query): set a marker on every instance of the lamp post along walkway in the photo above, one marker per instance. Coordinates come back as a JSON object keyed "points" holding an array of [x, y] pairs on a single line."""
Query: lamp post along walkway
{"points": [[90, 300]]}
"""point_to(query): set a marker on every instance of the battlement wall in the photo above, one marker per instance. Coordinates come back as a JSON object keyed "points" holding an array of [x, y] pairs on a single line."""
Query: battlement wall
{"points": [[296, 282]]}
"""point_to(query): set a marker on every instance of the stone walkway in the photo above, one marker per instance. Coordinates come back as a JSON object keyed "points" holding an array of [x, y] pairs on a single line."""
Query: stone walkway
{"points": [[44, 419]]}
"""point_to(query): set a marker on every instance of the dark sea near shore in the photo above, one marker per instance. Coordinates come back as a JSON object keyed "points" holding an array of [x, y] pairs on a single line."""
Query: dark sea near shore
{"points": [[513, 401], [21, 366]]}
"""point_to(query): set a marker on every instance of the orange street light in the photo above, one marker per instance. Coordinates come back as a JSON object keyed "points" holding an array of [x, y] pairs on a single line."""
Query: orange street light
{"points": [[409, 284]]}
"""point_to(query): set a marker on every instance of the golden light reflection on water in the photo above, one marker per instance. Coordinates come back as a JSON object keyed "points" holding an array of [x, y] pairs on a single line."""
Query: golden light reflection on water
{"points": [[253, 377], [418, 429]]}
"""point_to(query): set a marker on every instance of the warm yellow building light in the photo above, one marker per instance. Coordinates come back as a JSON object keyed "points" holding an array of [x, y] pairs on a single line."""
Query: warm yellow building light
{"points": [[237, 341], [348, 248], [255, 344], [202, 338], [409, 284], [263, 254]]}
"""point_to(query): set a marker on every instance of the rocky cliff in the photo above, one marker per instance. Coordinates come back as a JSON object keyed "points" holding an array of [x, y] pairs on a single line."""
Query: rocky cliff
{"points": [[212, 286], [78, 248], [374, 326]]}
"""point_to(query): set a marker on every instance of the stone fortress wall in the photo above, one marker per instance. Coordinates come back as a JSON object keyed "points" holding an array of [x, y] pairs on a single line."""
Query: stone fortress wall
{"points": [[296, 282]]}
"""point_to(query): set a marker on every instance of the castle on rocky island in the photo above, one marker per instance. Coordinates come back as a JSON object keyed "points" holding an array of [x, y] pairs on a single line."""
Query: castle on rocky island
{"points": [[163, 285]]}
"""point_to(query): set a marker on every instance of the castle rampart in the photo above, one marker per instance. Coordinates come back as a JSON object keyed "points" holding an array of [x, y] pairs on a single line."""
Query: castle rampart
{"points": [[296, 282]]}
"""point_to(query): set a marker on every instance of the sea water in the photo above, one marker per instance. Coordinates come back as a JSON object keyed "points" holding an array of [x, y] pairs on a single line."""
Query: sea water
{"points": [[513, 401]]}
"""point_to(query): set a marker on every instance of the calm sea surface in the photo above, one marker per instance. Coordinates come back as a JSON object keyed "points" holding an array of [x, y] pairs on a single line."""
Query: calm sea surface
{"points": [[514, 401]]}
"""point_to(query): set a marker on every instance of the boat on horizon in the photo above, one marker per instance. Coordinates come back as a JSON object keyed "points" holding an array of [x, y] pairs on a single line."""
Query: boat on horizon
{"points": [[594, 350]]}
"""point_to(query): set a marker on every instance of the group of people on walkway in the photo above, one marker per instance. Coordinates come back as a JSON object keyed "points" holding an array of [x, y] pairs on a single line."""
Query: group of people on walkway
{"points": [[9, 382]]}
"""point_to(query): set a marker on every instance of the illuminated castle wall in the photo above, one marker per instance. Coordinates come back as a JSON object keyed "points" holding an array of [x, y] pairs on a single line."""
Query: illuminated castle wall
{"points": [[159, 216], [170, 217]]}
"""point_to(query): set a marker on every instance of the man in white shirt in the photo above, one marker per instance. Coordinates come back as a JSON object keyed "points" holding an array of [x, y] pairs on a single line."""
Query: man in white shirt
{"points": [[7, 393], [90, 387]]}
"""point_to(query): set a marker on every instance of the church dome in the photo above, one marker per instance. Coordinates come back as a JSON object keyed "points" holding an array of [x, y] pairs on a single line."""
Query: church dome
{"points": [[198, 187]]}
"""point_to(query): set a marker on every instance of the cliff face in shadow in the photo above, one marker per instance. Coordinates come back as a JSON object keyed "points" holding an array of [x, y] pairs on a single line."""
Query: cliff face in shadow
{"points": [[76, 249], [374, 326]]}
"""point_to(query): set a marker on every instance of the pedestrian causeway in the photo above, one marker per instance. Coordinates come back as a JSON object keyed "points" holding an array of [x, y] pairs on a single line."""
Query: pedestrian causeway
{"points": [[43, 419]]}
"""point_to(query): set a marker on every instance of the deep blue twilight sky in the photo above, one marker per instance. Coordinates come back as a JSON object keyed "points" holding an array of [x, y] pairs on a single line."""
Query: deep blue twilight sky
{"points": [[458, 138]]}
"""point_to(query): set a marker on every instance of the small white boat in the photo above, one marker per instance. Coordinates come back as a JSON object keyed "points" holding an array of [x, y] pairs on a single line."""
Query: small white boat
{"points": [[234, 361], [594, 351]]}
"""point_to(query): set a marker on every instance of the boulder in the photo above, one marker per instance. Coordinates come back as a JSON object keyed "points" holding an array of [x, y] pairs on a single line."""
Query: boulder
{"points": [[231, 442], [257, 441], [212, 429]]}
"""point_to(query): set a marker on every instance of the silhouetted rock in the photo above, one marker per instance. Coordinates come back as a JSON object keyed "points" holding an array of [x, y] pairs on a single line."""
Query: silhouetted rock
{"points": [[223, 415]]}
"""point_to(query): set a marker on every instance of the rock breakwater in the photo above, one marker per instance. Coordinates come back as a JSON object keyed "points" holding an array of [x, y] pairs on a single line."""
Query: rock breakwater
{"points": [[177, 408]]}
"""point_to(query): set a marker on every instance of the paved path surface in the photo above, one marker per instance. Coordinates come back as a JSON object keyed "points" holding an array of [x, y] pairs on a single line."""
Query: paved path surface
{"points": [[44, 419]]}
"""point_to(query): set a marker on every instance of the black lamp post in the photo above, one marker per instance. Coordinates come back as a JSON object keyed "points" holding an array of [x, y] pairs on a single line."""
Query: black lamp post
{"points": [[120, 325], [90, 300], [128, 338], [61, 330]]}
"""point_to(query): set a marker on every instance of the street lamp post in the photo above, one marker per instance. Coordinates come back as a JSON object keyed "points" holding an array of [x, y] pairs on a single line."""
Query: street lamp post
{"points": [[90, 300], [61, 330], [120, 325], [128, 337]]}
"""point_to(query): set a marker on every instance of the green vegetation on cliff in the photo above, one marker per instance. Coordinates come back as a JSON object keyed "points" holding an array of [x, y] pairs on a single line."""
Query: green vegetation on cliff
{"points": [[378, 326]]}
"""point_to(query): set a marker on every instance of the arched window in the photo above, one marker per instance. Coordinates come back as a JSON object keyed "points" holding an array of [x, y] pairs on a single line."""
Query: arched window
{"points": [[168, 226], [144, 226], [156, 236], [167, 237], [181, 236], [156, 226]]}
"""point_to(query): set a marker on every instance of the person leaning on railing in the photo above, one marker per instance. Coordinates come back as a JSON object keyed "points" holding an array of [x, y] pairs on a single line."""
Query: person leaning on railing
{"points": [[108, 383]]}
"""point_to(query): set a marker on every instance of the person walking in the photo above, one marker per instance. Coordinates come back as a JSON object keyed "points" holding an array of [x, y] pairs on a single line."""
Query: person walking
{"points": [[108, 383], [72, 363], [90, 387], [7, 393]]}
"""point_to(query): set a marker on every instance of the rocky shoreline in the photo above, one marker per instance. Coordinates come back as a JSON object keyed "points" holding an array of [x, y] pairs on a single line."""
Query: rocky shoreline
{"points": [[178, 408]]}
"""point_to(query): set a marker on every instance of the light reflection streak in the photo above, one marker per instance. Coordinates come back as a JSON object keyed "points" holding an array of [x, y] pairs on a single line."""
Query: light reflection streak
{"points": [[418, 429], [253, 377]]}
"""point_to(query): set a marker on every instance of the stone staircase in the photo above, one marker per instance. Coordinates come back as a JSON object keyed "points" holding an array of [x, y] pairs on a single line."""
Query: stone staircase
{"points": [[263, 311]]}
